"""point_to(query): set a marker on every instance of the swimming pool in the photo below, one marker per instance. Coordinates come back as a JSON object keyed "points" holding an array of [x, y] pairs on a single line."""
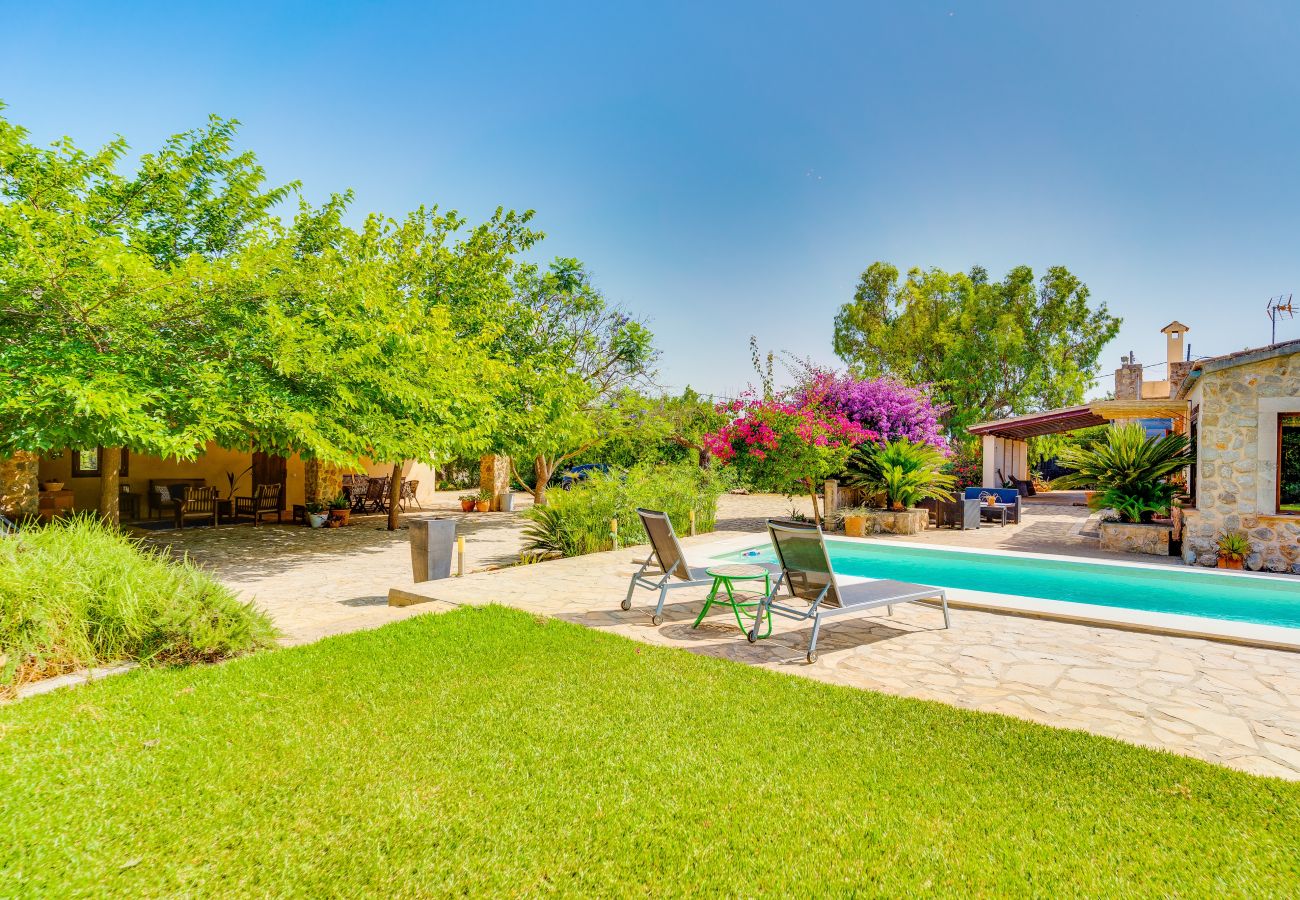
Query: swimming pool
{"points": [[1188, 592]]}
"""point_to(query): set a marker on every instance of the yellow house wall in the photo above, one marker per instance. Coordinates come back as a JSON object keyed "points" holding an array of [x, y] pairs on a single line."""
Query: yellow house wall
{"points": [[211, 466]]}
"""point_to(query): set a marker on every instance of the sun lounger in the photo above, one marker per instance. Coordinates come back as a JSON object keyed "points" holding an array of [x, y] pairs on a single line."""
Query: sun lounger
{"points": [[668, 558], [807, 575]]}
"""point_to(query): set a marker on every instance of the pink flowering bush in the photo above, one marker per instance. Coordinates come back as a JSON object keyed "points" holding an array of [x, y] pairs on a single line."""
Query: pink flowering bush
{"points": [[785, 446], [889, 408]]}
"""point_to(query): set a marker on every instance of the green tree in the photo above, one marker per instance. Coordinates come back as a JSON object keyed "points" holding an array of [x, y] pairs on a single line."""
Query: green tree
{"points": [[107, 285], [570, 354], [988, 348]]}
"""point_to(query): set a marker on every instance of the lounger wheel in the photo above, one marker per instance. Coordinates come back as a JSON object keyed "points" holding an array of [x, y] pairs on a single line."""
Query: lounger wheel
{"points": [[752, 635], [626, 604], [656, 620], [812, 657]]}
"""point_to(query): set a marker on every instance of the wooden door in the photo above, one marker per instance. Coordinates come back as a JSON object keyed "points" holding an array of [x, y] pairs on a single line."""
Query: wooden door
{"points": [[269, 469]]}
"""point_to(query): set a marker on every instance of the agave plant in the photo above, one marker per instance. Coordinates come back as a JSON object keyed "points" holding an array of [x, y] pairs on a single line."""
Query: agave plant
{"points": [[1131, 472], [904, 472], [1234, 545]]}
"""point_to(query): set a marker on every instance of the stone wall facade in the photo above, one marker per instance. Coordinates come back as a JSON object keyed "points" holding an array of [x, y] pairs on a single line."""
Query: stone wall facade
{"points": [[19, 490], [1236, 475]]}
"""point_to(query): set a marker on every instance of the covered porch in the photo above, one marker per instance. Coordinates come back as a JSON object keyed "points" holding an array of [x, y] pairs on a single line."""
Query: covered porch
{"points": [[1005, 442]]}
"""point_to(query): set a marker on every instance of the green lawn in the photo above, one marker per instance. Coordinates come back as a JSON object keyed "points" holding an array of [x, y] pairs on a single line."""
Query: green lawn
{"points": [[486, 751]]}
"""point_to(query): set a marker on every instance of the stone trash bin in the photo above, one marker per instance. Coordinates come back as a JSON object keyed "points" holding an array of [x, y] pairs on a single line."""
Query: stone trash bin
{"points": [[433, 543]]}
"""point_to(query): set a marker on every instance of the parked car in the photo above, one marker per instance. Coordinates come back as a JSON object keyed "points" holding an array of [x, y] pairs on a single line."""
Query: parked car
{"points": [[578, 474]]}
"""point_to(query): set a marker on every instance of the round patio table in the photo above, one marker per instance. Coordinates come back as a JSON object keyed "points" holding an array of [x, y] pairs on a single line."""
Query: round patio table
{"points": [[724, 578]]}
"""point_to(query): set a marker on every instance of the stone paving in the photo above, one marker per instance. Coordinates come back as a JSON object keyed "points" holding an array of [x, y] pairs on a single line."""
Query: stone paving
{"points": [[1237, 706]]}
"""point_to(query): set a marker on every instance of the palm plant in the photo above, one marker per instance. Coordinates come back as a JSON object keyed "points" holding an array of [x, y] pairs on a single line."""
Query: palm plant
{"points": [[904, 472], [1131, 472]]}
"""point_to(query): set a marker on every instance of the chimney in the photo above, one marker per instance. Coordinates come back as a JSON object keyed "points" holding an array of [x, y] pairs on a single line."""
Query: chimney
{"points": [[1179, 365], [1128, 378]]}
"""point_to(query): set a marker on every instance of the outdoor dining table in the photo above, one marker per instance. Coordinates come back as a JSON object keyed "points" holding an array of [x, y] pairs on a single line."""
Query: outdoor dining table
{"points": [[724, 578]]}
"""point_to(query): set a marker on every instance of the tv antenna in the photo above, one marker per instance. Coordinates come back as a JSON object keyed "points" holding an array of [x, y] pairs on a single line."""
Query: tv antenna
{"points": [[1277, 306]]}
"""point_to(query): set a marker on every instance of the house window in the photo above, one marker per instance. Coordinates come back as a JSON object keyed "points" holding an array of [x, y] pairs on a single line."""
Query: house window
{"points": [[1288, 463], [85, 463]]}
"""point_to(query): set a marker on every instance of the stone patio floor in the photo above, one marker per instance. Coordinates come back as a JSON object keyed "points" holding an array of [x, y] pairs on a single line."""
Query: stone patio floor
{"points": [[1237, 706]]}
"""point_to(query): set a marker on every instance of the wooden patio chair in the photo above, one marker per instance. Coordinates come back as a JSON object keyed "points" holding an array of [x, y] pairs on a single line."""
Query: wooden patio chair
{"points": [[376, 496], [196, 503], [408, 493], [264, 502]]}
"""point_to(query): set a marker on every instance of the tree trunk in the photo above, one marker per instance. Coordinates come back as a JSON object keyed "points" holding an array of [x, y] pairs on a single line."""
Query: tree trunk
{"points": [[541, 476], [812, 493], [394, 496], [110, 463]]}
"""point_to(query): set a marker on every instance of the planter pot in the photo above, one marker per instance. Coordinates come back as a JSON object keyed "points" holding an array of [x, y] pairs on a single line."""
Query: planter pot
{"points": [[333, 522], [51, 485], [340, 516], [467, 506], [506, 501], [317, 520], [483, 505], [855, 526], [433, 542], [1228, 563], [1135, 537]]}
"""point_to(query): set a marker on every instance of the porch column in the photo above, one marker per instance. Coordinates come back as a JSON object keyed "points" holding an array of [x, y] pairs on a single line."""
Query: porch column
{"points": [[989, 447], [323, 481], [19, 497], [494, 474]]}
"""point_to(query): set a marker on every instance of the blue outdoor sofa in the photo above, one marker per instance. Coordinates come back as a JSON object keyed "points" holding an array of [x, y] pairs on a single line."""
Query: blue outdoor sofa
{"points": [[1010, 497]]}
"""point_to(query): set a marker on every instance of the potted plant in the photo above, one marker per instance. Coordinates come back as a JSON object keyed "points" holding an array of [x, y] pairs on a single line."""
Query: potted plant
{"points": [[855, 521], [316, 514], [484, 500], [467, 502], [1234, 547], [340, 510], [900, 474]]}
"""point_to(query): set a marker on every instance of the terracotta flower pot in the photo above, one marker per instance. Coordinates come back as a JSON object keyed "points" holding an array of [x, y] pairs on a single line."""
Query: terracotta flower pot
{"points": [[1228, 562], [467, 506], [483, 505], [855, 526], [340, 516]]}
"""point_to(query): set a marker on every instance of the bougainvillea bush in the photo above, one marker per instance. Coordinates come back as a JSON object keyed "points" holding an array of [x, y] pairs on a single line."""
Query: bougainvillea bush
{"points": [[785, 446], [889, 408]]}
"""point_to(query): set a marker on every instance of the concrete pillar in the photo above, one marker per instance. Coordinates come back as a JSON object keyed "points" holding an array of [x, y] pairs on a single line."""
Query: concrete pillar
{"points": [[831, 498], [494, 474], [989, 448], [19, 488]]}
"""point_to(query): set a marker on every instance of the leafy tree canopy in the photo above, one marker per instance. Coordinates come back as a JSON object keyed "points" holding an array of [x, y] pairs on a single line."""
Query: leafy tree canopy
{"points": [[987, 348]]}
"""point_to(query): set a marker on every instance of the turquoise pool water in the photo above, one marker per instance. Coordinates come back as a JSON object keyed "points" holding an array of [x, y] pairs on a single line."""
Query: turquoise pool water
{"points": [[1189, 592]]}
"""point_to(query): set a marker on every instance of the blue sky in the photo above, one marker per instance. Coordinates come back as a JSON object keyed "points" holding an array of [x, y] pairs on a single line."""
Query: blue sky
{"points": [[728, 169]]}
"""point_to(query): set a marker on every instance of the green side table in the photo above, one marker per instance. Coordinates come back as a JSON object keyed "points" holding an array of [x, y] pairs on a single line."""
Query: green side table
{"points": [[724, 578]]}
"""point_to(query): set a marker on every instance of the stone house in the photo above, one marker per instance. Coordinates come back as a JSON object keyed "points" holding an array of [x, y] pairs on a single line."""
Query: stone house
{"points": [[1244, 420], [1241, 412]]}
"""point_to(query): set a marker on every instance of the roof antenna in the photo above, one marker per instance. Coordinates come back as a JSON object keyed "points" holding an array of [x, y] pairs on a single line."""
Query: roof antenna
{"points": [[1276, 307]]}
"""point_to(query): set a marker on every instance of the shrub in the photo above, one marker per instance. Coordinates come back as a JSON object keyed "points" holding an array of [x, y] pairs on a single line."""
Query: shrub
{"points": [[904, 472], [576, 521], [78, 593], [888, 408], [1131, 471]]}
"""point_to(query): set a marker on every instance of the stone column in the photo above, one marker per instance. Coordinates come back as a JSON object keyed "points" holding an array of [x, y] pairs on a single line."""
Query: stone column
{"points": [[494, 474], [322, 481], [19, 489]]}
